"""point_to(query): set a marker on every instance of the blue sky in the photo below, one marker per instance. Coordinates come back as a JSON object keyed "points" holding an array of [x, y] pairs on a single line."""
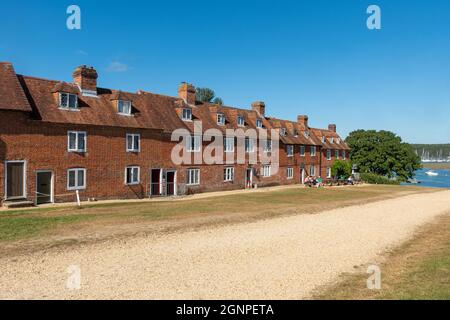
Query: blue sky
{"points": [[300, 57]]}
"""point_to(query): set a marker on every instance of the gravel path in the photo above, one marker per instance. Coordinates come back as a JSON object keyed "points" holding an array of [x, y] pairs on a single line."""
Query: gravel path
{"points": [[281, 258]]}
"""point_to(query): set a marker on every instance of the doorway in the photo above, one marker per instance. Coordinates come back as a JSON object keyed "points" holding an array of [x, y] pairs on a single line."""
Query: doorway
{"points": [[249, 178], [44, 187], [156, 182], [171, 188], [15, 180]]}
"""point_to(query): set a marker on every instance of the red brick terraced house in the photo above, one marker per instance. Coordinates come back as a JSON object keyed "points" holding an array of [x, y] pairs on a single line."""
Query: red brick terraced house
{"points": [[59, 138]]}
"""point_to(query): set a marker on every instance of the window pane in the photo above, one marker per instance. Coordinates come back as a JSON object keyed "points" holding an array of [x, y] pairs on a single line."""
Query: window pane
{"points": [[71, 179], [136, 143], [72, 141], [80, 178], [63, 100], [81, 141], [72, 101]]}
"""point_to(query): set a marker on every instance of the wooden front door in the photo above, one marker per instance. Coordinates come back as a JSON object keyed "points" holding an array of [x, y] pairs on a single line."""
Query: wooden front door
{"points": [[15, 173]]}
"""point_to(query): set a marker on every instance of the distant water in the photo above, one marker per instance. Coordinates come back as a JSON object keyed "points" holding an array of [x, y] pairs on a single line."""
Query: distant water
{"points": [[440, 181]]}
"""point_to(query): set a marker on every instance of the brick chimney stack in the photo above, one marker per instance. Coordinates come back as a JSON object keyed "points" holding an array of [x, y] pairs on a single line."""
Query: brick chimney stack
{"points": [[259, 107], [303, 120], [86, 78], [332, 127], [186, 92]]}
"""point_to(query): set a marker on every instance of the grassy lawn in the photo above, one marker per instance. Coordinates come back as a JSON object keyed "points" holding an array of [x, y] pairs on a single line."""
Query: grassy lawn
{"points": [[55, 221], [418, 270], [437, 166]]}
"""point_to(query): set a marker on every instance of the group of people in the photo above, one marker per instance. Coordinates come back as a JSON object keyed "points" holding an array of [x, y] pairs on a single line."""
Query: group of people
{"points": [[311, 181]]}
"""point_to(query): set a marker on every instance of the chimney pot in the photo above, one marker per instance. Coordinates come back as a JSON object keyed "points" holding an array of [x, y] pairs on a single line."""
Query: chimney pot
{"points": [[259, 107], [187, 92]]}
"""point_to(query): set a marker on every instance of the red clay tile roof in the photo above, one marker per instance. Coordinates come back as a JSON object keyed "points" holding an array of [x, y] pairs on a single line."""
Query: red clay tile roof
{"points": [[150, 111], [338, 142], [295, 133], [12, 96]]}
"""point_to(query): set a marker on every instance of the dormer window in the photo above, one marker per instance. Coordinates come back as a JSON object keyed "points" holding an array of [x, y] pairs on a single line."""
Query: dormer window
{"points": [[323, 139], [220, 119], [124, 107], [338, 141], [283, 132], [186, 114], [332, 140], [259, 123], [240, 121], [68, 101], [295, 133], [306, 134]]}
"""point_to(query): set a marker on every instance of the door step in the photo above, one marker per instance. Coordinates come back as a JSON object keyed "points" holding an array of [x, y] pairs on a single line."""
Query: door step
{"points": [[11, 204]]}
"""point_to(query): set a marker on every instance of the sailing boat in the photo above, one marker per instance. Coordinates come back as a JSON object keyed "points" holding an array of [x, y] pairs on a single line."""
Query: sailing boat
{"points": [[432, 173]]}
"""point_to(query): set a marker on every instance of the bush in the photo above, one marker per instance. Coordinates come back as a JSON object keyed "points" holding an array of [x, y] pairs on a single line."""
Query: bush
{"points": [[373, 178]]}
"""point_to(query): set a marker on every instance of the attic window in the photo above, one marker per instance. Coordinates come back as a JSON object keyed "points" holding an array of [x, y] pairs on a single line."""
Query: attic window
{"points": [[306, 134], [283, 132], [187, 114], [295, 133], [241, 121], [259, 123], [220, 119], [332, 140], [124, 107], [338, 141], [68, 101], [323, 139]]}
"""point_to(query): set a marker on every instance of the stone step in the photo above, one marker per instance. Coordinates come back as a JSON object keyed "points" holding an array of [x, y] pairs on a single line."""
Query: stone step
{"points": [[18, 204]]}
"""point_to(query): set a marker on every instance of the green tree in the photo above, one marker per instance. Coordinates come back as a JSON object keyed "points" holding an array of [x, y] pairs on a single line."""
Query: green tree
{"points": [[383, 153], [207, 95], [341, 168]]}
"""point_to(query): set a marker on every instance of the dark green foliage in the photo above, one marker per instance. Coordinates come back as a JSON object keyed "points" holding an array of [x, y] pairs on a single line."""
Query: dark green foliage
{"points": [[208, 95], [341, 169], [373, 178], [383, 153]]}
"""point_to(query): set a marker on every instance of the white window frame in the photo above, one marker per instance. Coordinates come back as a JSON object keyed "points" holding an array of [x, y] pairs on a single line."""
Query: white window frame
{"points": [[77, 186], [77, 141], [283, 132], [336, 154], [68, 107], [290, 150], [221, 119], [228, 174], [306, 134], [186, 114], [289, 173], [328, 172], [241, 121], [266, 171], [312, 170], [191, 175], [267, 146], [344, 155], [133, 182], [259, 123], [125, 104], [133, 137], [228, 144], [249, 145], [302, 151], [328, 154], [193, 144], [313, 151]]}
